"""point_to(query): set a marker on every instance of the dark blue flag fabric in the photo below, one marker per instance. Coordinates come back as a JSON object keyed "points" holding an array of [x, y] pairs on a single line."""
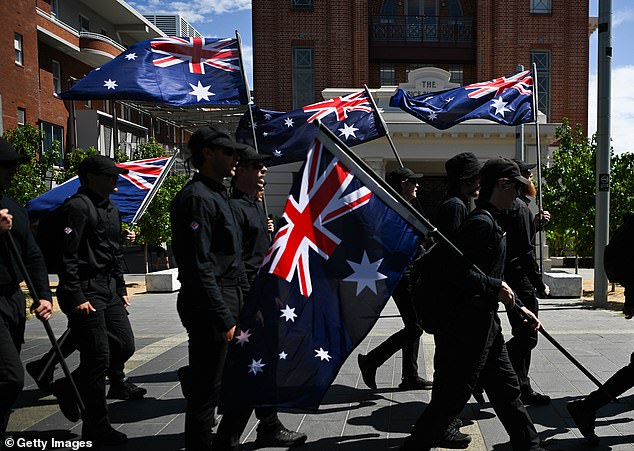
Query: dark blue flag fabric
{"points": [[328, 274], [288, 136], [132, 189], [506, 100], [170, 71]]}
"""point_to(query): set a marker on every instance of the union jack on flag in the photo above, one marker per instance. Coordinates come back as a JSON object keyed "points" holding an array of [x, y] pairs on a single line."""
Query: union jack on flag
{"points": [[132, 189], [176, 71], [505, 100], [288, 136], [330, 271]]}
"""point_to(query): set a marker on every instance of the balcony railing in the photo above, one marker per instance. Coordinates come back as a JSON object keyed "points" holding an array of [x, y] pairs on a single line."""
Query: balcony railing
{"points": [[427, 29], [102, 38]]}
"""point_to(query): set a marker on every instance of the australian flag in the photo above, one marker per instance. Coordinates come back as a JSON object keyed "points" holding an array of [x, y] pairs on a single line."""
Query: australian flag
{"points": [[506, 100], [169, 71], [132, 189], [289, 136], [334, 263]]}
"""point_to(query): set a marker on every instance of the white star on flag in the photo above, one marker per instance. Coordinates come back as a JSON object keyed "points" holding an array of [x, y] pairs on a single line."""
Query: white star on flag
{"points": [[201, 92], [348, 131], [130, 56], [110, 84], [500, 106], [449, 99], [322, 354], [365, 273], [265, 134], [277, 153], [268, 117], [288, 313], [243, 337], [283, 355], [432, 116], [256, 366], [288, 122]]}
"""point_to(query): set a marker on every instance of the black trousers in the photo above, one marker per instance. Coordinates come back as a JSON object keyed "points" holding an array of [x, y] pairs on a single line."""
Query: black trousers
{"points": [[98, 348], [11, 337], [233, 424], [470, 350], [407, 339], [207, 353], [524, 339]]}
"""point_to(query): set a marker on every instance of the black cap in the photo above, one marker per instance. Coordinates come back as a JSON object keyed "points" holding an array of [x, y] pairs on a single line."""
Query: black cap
{"points": [[498, 168], [462, 166], [8, 153], [99, 164], [213, 136], [524, 167], [402, 174], [249, 156]]}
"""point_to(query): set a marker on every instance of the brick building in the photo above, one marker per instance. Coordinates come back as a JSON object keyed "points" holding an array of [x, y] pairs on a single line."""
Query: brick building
{"points": [[302, 47], [45, 45]]}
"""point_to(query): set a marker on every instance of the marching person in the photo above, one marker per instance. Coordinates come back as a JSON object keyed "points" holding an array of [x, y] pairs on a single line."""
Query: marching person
{"points": [[14, 220], [213, 282], [522, 273], [254, 231], [469, 344], [405, 182], [92, 293]]}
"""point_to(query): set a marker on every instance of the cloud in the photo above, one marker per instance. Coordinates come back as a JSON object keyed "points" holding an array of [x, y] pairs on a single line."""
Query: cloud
{"points": [[194, 11], [621, 17], [622, 108], [247, 56]]}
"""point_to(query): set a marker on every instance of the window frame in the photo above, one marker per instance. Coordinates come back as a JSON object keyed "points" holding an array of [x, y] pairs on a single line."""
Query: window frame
{"points": [[544, 75], [302, 4], [18, 47], [57, 78], [541, 7], [21, 112], [83, 18], [52, 128], [303, 95], [387, 68]]}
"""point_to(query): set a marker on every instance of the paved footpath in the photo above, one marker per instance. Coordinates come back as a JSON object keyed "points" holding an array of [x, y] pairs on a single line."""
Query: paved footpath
{"points": [[352, 417]]}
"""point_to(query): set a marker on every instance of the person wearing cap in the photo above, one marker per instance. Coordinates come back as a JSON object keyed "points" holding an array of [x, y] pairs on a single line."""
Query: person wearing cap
{"points": [[14, 220], [254, 230], [92, 294], [522, 273], [405, 182], [207, 250], [471, 347]]}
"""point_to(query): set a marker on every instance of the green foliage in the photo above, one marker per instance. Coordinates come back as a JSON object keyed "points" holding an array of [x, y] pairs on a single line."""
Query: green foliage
{"points": [[30, 179], [150, 149], [621, 188], [71, 162], [569, 191]]}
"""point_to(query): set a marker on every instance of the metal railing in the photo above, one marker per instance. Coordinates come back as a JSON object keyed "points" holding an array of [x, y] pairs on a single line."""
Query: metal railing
{"points": [[441, 29], [103, 38]]}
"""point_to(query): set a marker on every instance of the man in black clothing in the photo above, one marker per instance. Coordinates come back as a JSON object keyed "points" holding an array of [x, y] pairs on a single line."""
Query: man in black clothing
{"points": [[405, 182], [469, 344], [523, 276], [14, 220], [254, 231], [93, 295], [207, 250]]}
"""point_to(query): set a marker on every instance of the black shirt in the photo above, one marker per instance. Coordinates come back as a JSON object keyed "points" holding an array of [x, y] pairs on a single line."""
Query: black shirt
{"points": [[252, 225], [206, 246], [10, 273], [90, 250], [450, 215]]}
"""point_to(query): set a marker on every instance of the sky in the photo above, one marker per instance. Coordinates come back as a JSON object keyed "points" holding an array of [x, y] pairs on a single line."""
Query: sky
{"points": [[221, 18]]}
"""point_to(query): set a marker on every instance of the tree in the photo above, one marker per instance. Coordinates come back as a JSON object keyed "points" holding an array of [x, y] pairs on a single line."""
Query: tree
{"points": [[30, 179], [569, 191], [621, 188]]}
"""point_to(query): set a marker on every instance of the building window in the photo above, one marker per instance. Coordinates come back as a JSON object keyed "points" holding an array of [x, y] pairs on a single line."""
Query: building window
{"points": [[303, 76], [56, 69], [541, 7], [126, 113], [387, 75], [457, 73], [88, 103], [54, 7], [21, 116], [52, 133], [84, 24], [302, 4], [541, 59], [17, 45]]}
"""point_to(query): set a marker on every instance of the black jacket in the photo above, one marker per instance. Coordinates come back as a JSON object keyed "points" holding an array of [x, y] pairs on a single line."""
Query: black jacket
{"points": [[252, 225], [206, 246], [450, 215], [90, 250], [10, 273]]}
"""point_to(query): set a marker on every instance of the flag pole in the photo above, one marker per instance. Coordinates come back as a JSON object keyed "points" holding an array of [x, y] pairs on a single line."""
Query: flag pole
{"points": [[250, 108], [419, 222], [539, 170], [146, 202], [384, 124]]}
